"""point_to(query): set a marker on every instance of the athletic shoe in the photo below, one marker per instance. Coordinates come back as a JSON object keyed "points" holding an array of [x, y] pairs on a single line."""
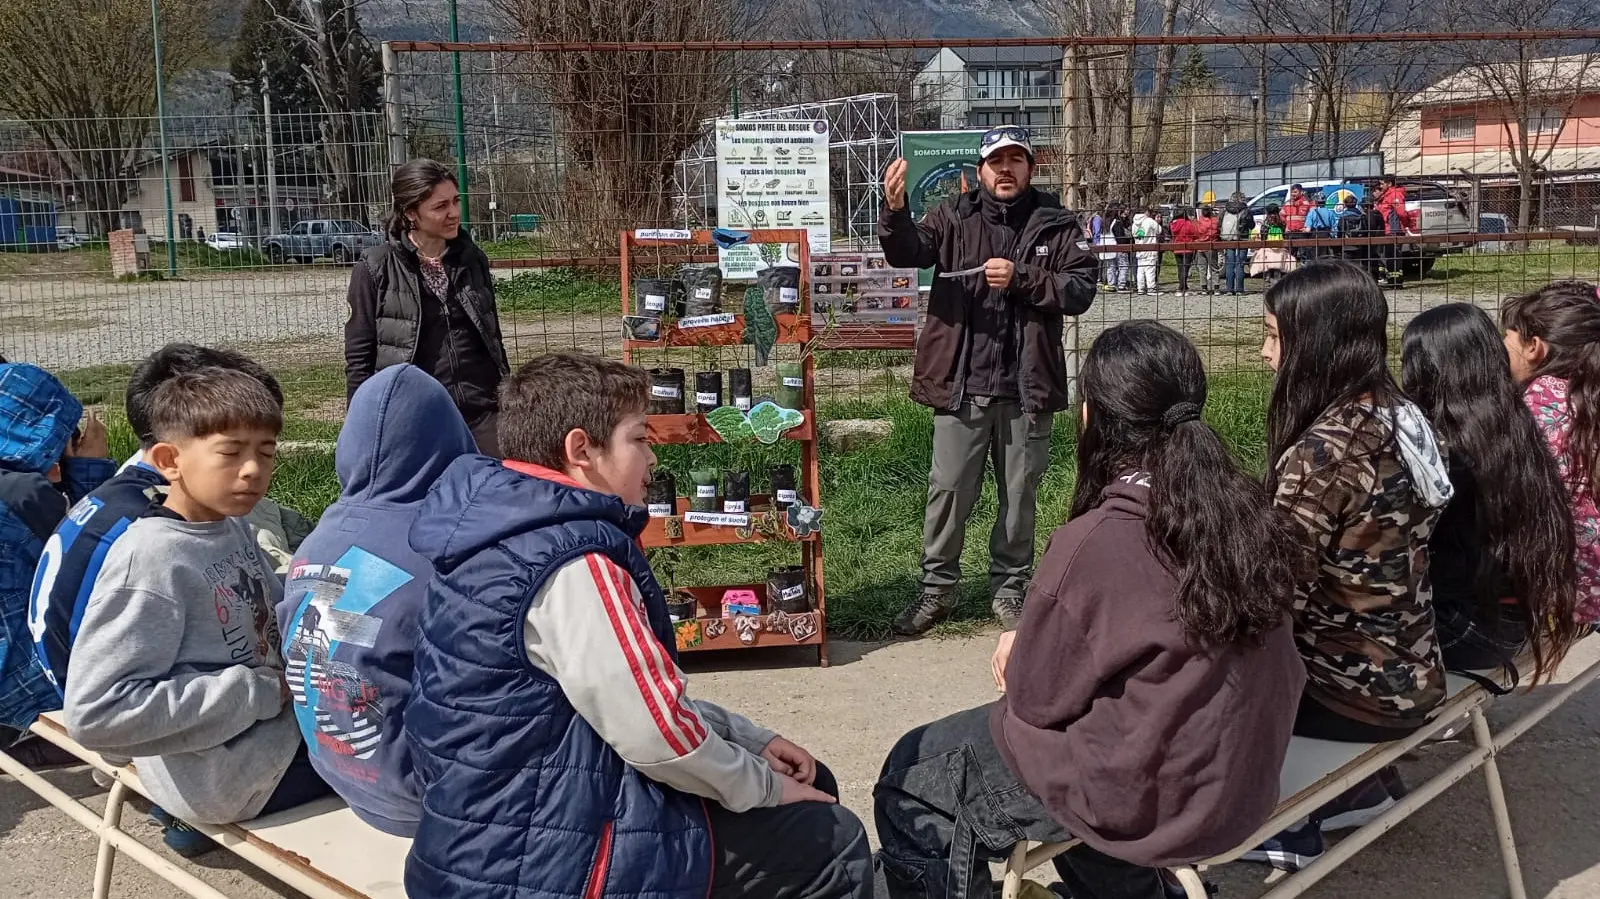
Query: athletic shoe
{"points": [[922, 615], [185, 840], [1290, 850], [1356, 807], [1392, 784]]}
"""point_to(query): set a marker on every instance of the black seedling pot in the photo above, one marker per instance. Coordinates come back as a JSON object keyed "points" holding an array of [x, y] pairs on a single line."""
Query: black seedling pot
{"points": [[666, 391]]}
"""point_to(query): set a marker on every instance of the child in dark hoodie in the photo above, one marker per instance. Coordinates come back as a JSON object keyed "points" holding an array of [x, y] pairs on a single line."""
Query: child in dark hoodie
{"points": [[44, 467], [1153, 680], [354, 599]]}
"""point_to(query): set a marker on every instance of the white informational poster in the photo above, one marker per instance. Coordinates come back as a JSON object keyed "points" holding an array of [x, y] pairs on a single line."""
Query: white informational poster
{"points": [[771, 174]]}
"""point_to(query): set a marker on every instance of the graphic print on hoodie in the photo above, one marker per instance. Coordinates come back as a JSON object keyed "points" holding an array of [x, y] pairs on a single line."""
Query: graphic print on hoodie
{"points": [[355, 593], [1367, 486]]}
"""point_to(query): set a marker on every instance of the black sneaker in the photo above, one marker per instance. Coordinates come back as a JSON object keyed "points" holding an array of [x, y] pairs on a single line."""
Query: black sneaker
{"points": [[920, 616], [1355, 807], [1290, 850]]}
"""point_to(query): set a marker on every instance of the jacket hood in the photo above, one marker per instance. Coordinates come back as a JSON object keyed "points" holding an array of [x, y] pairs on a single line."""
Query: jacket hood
{"points": [[401, 433], [1419, 452], [479, 502], [37, 417], [1127, 496]]}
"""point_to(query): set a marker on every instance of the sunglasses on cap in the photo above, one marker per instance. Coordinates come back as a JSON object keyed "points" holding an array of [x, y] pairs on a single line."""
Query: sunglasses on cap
{"points": [[1012, 132]]}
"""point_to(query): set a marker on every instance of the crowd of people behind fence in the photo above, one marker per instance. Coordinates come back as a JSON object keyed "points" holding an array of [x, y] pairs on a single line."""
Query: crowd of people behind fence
{"points": [[470, 647], [1116, 230]]}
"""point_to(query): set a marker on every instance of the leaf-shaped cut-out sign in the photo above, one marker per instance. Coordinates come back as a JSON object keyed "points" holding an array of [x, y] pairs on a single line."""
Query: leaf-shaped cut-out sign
{"points": [[730, 424], [760, 328], [769, 420]]}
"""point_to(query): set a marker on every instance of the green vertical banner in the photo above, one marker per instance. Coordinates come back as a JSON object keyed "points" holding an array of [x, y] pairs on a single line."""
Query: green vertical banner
{"points": [[939, 165]]}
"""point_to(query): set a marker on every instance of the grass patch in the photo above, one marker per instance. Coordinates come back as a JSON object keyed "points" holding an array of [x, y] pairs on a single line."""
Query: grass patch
{"points": [[873, 497], [558, 290], [1517, 270], [517, 247]]}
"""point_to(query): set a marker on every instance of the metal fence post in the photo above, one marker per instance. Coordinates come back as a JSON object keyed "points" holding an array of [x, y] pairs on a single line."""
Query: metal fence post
{"points": [[161, 128], [393, 122]]}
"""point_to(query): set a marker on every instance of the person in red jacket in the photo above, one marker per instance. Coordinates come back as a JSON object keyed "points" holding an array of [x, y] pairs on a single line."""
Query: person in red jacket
{"points": [[1294, 211], [1392, 206], [1183, 231], [1208, 228], [1152, 685]]}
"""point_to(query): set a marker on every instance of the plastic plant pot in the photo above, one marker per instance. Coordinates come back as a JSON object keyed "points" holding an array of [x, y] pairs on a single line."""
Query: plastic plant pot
{"points": [[682, 607], [661, 500], [702, 289], [739, 388], [651, 296], [786, 590], [736, 492], [784, 493], [704, 498], [666, 391], [780, 287], [707, 390], [791, 384]]}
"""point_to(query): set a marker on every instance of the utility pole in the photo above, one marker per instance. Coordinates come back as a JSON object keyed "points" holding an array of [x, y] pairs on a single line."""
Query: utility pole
{"points": [[461, 118], [1194, 179], [391, 107], [161, 127], [272, 156]]}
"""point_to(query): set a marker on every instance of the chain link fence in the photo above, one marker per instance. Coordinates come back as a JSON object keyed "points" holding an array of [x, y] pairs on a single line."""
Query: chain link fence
{"points": [[1496, 139]]}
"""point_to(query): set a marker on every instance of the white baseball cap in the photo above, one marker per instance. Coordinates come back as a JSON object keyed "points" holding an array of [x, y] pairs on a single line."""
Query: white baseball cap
{"points": [[1005, 136]]}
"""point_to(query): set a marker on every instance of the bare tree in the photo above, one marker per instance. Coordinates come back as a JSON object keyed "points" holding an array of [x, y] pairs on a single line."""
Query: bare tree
{"points": [[625, 118], [818, 75], [343, 70], [82, 74], [1530, 85]]}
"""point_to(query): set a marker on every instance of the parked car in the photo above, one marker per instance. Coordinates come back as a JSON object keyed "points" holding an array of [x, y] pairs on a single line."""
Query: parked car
{"points": [[1432, 206], [68, 238], [225, 240], [341, 240]]}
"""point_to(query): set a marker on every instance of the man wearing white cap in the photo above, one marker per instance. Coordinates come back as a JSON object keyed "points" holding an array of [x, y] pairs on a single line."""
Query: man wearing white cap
{"points": [[1010, 264]]}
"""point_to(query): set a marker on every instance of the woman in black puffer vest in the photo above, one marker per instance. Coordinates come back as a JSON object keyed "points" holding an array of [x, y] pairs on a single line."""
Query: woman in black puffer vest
{"points": [[426, 297]]}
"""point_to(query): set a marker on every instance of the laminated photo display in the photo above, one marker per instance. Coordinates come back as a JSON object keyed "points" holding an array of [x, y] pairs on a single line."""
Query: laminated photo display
{"points": [[862, 288], [772, 174]]}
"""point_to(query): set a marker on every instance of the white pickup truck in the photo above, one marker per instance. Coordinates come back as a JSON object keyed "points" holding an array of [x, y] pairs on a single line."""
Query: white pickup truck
{"points": [[1435, 210]]}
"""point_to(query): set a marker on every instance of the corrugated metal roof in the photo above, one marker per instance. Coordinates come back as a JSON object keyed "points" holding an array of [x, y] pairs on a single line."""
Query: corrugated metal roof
{"points": [[1579, 72], [1283, 150], [1008, 56]]}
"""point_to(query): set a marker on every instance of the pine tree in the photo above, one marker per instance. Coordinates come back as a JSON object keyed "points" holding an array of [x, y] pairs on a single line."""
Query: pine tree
{"points": [[1197, 76]]}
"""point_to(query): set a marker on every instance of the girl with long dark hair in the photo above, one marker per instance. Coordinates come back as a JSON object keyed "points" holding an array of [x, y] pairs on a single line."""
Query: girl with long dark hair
{"points": [[1553, 341], [1502, 552], [1158, 623], [426, 297], [1356, 464]]}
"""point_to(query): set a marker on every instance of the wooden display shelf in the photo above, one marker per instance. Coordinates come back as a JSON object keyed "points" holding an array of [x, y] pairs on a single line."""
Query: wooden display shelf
{"points": [[709, 600], [793, 328], [693, 428], [655, 532]]}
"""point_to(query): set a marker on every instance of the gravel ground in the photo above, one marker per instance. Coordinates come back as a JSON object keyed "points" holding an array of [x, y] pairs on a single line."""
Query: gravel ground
{"points": [[297, 315], [850, 714]]}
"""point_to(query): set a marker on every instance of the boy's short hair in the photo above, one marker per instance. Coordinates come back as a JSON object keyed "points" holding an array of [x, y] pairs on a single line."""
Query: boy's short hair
{"points": [[180, 358], [548, 398], [210, 401]]}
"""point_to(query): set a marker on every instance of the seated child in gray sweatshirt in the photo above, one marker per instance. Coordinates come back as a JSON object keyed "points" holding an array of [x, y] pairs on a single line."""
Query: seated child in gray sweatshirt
{"points": [[177, 661]]}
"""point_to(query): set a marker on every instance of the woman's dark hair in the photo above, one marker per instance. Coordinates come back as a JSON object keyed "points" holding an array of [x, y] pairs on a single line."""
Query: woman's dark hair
{"points": [[1566, 316], [411, 184], [1454, 366], [1333, 331], [1235, 558]]}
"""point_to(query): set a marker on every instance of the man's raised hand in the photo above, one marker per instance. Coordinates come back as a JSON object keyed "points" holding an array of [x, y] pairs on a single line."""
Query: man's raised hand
{"points": [[894, 185]]}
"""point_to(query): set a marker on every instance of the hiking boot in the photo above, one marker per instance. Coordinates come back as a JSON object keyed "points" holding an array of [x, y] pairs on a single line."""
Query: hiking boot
{"points": [[1355, 807], [920, 616], [1290, 850], [185, 840], [1009, 610]]}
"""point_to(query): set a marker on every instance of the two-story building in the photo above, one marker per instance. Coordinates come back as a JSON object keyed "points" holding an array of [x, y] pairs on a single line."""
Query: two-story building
{"points": [[981, 87], [1467, 130]]}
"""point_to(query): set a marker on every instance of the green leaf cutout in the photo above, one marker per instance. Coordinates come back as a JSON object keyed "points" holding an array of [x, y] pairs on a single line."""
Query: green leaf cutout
{"points": [[760, 328], [769, 420], [730, 424]]}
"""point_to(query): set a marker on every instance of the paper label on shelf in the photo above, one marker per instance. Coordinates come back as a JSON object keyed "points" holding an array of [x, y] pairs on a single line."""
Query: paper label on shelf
{"points": [[789, 296], [705, 491], [733, 506], [793, 593], [665, 391], [655, 303], [742, 403], [662, 510], [708, 399], [702, 293], [794, 382], [662, 234], [788, 496], [706, 321], [720, 519]]}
